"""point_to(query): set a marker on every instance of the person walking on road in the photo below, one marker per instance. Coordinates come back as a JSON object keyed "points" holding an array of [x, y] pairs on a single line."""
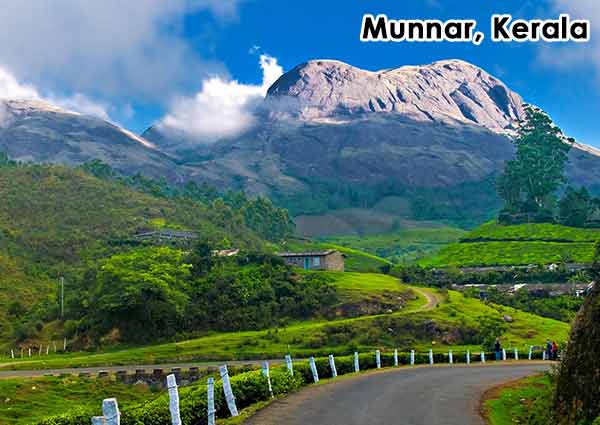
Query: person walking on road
{"points": [[548, 350], [498, 349], [554, 351]]}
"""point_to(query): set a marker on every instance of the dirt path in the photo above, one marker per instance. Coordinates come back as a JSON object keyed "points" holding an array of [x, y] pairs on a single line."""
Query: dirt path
{"points": [[432, 300]]}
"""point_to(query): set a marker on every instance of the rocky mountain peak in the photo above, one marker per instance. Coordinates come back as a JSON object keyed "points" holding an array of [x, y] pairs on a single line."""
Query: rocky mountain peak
{"points": [[444, 91]]}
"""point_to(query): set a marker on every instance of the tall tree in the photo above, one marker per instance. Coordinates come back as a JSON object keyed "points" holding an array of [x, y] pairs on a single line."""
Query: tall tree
{"points": [[530, 180]]}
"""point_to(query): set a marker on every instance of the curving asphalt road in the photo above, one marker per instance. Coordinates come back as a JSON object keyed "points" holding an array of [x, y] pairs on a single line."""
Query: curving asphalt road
{"points": [[439, 395]]}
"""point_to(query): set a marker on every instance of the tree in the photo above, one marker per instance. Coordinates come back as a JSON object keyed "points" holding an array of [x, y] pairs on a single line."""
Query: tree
{"points": [[142, 293], [574, 207], [530, 180]]}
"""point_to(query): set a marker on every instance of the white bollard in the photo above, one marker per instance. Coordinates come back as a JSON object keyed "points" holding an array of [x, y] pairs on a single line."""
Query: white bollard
{"points": [[516, 354], [412, 357], [313, 369], [210, 408], [503, 354], [29, 351], [530, 352], [110, 410], [356, 363], [450, 357], [227, 391], [290, 365], [48, 349], [12, 354], [482, 357], [332, 366], [267, 374], [378, 359], [430, 356], [173, 399], [468, 357], [396, 357]]}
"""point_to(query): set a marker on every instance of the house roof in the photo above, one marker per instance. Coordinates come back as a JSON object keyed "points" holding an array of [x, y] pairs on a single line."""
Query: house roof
{"points": [[307, 253]]}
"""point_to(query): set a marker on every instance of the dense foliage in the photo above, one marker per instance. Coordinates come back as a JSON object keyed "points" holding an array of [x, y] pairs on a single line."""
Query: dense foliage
{"points": [[530, 180], [561, 307], [577, 399], [160, 292], [259, 214]]}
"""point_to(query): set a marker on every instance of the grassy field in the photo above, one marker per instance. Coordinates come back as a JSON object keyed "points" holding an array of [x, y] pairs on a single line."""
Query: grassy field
{"points": [[533, 232], [514, 402], [493, 244], [403, 246], [511, 253], [404, 330], [26, 401]]}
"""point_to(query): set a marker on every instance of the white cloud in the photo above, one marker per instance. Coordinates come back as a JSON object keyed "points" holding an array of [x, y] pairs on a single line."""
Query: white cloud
{"points": [[12, 88], [574, 55], [223, 108], [108, 48]]}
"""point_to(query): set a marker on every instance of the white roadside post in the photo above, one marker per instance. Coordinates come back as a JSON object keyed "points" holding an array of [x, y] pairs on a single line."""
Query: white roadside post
{"points": [[544, 355], [47, 349], [173, 399], [110, 410], [289, 364], [210, 408], [430, 356], [530, 352], [29, 351], [227, 391], [450, 357], [12, 354], [412, 357], [356, 363], [396, 357], [378, 359], [503, 354], [313, 369], [332, 366], [468, 357], [482, 357], [516, 354], [267, 374]]}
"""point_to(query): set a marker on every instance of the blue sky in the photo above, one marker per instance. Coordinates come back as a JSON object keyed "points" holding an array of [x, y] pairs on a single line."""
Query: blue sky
{"points": [[135, 61]]}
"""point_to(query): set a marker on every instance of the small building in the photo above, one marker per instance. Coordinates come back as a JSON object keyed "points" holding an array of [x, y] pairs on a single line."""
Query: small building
{"points": [[167, 237], [331, 260]]}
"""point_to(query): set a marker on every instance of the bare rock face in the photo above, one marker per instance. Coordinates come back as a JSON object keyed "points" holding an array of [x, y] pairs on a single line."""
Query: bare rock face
{"points": [[37, 131], [451, 91]]}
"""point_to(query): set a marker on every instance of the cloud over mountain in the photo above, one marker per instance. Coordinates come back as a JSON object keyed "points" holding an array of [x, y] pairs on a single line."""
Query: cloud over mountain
{"points": [[223, 108]]}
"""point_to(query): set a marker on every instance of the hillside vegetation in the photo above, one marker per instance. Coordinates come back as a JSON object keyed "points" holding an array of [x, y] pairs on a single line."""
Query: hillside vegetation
{"points": [[459, 323], [58, 221], [494, 244]]}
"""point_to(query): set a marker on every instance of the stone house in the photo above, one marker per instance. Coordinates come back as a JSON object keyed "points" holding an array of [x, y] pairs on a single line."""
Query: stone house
{"points": [[331, 260]]}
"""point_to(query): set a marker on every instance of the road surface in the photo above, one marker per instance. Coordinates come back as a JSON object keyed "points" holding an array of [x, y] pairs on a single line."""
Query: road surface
{"points": [[439, 395]]}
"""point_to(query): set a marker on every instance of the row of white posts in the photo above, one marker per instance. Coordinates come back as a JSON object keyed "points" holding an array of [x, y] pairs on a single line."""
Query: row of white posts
{"points": [[40, 350], [110, 408]]}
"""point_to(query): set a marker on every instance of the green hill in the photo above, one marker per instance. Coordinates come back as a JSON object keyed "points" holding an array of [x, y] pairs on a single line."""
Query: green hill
{"points": [[56, 221], [493, 244]]}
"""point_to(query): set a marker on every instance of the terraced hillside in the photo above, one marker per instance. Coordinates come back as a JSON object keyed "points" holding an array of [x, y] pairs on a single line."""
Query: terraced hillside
{"points": [[492, 244]]}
